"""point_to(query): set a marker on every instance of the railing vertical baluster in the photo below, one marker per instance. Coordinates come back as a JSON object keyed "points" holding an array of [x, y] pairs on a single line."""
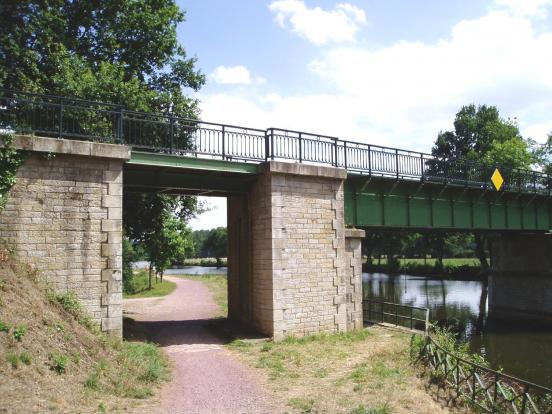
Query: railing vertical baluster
{"points": [[411, 318], [369, 159], [397, 162], [474, 382], [345, 154], [119, 139], [335, 152], [60, 133], [272, 143], [171, 134], [524, 401], [422, 167], [495, 393], [223, 142], [300, 147]]}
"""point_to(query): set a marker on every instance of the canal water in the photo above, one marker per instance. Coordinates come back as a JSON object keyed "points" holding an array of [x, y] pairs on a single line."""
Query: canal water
{"points": [[520, 349]]}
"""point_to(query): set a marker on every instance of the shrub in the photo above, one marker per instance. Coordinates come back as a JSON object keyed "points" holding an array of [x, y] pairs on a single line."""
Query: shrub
{"points": [[19, 332], [4, 327], [58, 363]]}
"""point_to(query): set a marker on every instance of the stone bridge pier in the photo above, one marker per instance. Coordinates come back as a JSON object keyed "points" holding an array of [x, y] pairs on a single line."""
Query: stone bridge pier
{"points": [[521, 284], [294, 269], [64, 217]]}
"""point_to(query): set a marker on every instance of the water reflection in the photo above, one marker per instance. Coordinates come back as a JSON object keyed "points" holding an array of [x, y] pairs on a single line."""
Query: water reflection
{"points": [[521, 350]]}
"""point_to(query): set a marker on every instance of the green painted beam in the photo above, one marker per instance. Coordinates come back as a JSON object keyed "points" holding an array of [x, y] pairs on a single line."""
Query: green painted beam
{"points": [[195, 163], [386, 203]]}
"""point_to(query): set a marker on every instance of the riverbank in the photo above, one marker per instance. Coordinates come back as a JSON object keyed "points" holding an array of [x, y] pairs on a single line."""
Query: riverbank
{"points": [[453, 268]]}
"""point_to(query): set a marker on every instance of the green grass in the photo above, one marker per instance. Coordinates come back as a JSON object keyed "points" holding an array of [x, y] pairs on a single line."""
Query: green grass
{"points": [[140, 285], [217, 285], [139, 366], [455, 261]]}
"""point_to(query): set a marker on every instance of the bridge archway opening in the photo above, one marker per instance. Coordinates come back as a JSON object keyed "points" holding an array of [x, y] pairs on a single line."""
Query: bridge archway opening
{"points": [[230, 187]]}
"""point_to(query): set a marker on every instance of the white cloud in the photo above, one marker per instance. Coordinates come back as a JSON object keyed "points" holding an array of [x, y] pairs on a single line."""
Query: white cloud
{"points": [[317, 25], [402, 95], [232, 75], [526, 8], [214, 217]]}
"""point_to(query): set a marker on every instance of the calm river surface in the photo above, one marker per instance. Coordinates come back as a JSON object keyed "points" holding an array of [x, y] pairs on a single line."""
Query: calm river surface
{"points": [[521, 350]]}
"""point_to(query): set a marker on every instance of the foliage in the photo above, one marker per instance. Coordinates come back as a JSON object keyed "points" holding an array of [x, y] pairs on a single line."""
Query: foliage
{"points": [[139, 287], [10, 160], [4, 327], [543, 155], [138, 366], [120, 51], [58, 362], [361, 409], [72, 305], [19, 332]]}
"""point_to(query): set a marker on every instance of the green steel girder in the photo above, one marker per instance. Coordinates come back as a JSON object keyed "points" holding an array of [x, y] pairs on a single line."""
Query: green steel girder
{"points": [[192, 163], [386, 203], [175, 174]]}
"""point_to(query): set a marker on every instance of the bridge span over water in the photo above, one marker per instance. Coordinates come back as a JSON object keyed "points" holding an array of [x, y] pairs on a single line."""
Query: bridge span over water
{"points": [[295, 200]]}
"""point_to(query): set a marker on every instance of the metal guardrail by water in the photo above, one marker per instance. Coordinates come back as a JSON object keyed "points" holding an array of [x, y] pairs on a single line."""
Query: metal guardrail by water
{"points": [[406, 316], [61, 117], [487, 390]]}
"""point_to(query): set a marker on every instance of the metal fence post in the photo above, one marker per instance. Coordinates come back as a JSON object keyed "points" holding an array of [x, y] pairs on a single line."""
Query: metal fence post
{"points": [[369, 159], [171, 133], [119, 138], [300, 147], [272, 144], [345, 153], [335, 152], [422, 167]]}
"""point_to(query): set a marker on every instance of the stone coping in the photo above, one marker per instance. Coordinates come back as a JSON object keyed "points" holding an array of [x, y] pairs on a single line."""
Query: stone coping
{"points": [[72, 147], [295, 168], [354, 233]]}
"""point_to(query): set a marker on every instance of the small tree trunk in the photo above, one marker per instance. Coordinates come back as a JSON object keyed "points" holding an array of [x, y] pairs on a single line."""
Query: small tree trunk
{"points": [[150, 275], [161, 276], [480, 251]]}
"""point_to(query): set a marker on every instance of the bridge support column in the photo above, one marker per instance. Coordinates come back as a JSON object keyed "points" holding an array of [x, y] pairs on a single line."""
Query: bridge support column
{"points": [[64, 217], [301, 276], [521, 284]]}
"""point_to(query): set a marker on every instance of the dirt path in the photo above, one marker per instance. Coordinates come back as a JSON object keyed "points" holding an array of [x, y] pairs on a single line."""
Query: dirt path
{"points": [[206, 378]]}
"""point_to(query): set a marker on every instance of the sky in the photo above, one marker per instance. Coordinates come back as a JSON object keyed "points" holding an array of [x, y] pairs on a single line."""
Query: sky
{"points": [[391, 72]]}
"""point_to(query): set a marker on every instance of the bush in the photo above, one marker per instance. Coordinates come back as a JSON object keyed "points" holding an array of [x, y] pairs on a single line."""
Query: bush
{"points": [[58, 363], [19, 332]]}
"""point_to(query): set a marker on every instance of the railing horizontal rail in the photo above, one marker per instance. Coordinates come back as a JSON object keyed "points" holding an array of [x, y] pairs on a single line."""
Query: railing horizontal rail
{"points": [[73, 118]]}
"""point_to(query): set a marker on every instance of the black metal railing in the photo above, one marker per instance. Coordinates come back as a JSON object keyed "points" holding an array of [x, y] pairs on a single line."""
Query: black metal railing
{"points": [[412, 317], [61, 117], [487, 390]]}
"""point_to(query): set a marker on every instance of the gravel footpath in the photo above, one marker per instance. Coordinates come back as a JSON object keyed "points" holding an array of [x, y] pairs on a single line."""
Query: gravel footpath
{"points": [[206, 378]]}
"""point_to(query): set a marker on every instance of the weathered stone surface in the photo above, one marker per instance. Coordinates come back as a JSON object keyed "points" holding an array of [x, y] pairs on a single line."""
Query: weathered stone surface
{"points": [[56, 220]]}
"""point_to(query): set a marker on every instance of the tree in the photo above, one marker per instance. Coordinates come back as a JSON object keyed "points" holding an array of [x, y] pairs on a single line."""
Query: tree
{"points": [[480, 134], [215, 244], [170, 240], [121, 51]]}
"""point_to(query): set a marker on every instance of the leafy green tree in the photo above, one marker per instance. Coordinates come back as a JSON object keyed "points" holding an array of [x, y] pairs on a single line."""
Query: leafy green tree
{"points": [[480, 134], [216, 244], [170, 240], [121, 51]]}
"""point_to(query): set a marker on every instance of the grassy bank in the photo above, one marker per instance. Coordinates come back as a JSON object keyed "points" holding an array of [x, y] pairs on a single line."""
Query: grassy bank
{"points": [[362, 372], [368, 371], [218, 286], [54, 359], [139, 287]]}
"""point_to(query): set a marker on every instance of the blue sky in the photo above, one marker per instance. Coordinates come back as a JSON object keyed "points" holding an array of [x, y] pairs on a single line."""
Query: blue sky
{"points": [[390, 72]]}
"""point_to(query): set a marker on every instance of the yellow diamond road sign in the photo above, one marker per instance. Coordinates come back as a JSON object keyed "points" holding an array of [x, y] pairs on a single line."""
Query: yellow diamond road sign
{"points": [[497, 179]]}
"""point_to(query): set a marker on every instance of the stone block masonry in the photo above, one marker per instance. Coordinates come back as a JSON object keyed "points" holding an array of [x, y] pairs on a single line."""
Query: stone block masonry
{"points": [[63, 216], [302, 279]]}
